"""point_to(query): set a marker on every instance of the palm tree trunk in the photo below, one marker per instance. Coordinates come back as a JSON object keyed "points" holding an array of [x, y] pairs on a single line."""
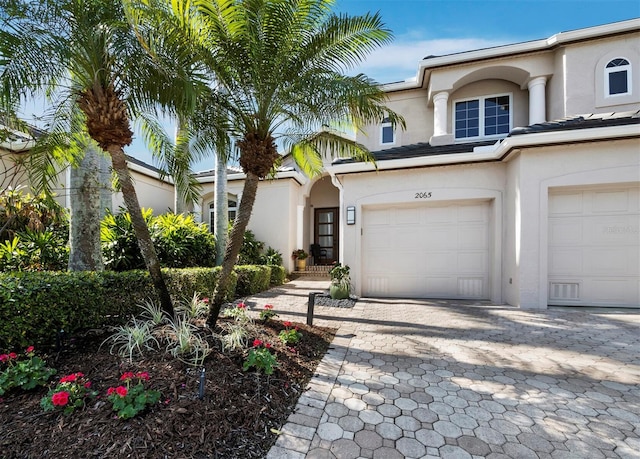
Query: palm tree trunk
{"points": [[85, 252], [234, 244], [140, 227], [221, 220]]}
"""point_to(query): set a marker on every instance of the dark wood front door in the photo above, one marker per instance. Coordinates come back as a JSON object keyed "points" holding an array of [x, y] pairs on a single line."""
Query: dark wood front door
{"points": [[326, 235]]}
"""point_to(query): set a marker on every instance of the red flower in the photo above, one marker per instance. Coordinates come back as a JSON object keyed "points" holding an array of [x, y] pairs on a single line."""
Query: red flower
{"points": [[60, 398], [111, 390], [257, 342], [286, 324], [71, 377], [268, 306], [127, 376], [4, 357], [267, 345], [121, 391], [242, 305], [143, 375], [13, 355], [30, 349], [205, 300], [87, 384]]}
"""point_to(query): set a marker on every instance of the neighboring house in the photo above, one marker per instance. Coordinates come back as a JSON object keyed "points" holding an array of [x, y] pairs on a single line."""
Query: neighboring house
{"points": [[155, 190], [516, 181]]}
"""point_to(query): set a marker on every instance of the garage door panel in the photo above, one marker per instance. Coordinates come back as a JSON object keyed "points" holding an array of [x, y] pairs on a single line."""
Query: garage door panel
{"points": [[610, 201], [473, 237], [426, 250], [566, 261], [598, 265], [472, 214], [566, 232], [566, 204], [471, 262]]}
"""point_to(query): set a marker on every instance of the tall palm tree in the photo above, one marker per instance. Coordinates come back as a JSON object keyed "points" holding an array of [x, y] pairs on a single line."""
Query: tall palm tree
{"points": [[85, 53], [282, 64]]}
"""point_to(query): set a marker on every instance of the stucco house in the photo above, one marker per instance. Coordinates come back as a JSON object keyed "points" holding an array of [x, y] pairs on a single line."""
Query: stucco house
{"points": [[517, 180]]}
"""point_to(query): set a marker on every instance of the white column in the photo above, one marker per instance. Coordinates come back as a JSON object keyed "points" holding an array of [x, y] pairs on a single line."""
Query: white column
{"points": [[537, 100], [440, 113], [300, 228]]}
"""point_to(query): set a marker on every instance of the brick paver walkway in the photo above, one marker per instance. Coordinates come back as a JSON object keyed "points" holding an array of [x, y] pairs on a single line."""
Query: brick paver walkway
{"points": [[424, 379]]}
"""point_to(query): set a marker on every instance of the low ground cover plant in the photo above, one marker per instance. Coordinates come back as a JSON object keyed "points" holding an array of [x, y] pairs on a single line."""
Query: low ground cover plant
{"points": [[71, 393], [23, 371], [290, 335], [261, 358], [133, 397]]}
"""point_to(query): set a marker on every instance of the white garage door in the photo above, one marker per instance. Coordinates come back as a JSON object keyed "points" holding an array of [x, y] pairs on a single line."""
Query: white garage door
{"points": [[426, 251], [594, 247]]}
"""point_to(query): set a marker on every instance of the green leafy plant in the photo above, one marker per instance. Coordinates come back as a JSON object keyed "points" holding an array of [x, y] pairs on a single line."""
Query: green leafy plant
{"points": [[300, 254], [184, 343], [251, 249], [153, 313], [271, 257], [195, 308], [261, 358], [130, 399], [340, 276], [268, 312], [133, 338], [239, 313], [23, 373], [69, 394], [235, 337], [290, 335]]}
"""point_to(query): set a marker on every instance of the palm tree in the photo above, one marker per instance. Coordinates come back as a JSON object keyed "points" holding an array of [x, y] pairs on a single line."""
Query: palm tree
{"points": [[84, 53], [281, 63]]}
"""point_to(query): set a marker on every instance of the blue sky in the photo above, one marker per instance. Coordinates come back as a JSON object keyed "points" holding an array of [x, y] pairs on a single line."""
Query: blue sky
{"points": [[438, 27]]}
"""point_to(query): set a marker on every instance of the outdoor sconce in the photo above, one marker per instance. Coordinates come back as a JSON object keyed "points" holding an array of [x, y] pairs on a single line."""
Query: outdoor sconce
{"points": [[351, 215]]}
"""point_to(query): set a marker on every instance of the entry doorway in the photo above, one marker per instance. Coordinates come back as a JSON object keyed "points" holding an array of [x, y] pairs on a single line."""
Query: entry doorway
{"points": [[326, 236]]}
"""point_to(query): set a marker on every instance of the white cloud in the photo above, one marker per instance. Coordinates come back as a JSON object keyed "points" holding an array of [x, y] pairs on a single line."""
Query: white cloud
{"points": [[400, 60]]}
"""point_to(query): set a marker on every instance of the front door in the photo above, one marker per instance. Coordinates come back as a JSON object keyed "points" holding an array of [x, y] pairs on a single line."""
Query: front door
{"points": [[326, 235]]}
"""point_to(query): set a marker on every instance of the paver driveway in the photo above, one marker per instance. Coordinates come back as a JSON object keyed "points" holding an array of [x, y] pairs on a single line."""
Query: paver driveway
{"points": [[445, 379]]}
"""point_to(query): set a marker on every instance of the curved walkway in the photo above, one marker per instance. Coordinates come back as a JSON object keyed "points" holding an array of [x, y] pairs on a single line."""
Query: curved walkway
{"points": [[422, 379]]}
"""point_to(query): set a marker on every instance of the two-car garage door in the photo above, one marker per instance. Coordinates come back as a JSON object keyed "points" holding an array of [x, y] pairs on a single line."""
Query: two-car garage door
{"points": [[594, 246], [426, 251]]}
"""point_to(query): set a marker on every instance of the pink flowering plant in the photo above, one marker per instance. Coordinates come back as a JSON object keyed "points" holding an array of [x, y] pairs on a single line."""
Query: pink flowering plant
{"points": [[25, 371], [261, 358], [267, 313], [69, 394], [290, 335], [132, 397]]}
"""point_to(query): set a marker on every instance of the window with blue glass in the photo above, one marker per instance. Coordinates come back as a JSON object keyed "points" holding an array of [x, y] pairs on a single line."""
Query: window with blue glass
{"points": [[483, 117], [387, 134], [618, 77]]}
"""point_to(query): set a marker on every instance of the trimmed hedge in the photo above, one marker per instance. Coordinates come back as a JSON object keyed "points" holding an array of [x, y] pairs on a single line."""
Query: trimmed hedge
{"points": [[36, 305], [252, 279], [278, 274]]}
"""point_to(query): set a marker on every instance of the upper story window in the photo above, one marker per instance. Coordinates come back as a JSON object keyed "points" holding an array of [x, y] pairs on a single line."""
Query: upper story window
{"points": [[617, 78], [488, 116], [387, 133]]}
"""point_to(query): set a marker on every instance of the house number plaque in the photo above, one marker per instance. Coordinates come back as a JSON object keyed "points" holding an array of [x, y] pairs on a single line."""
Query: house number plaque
{"points": [[423, 195]]}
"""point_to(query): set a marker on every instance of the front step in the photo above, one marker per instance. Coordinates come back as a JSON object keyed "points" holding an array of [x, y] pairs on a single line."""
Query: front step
{"points": [[314, 271]]}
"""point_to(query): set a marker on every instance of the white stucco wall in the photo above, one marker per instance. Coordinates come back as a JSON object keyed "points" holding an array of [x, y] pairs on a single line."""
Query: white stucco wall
{"points": [[152, 193]]}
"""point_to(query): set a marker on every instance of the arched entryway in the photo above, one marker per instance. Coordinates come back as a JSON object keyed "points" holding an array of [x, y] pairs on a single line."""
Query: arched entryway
{"points": [[323, 206]]}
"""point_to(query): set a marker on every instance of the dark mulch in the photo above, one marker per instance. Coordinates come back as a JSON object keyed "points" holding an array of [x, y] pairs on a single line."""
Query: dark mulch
{"points": [[238, 417]]}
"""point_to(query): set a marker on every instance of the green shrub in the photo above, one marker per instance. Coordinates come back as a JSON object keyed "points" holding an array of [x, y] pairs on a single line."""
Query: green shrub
{"points": [[36, 306], [252, 279], [278, 274], [251, 249], [271, 257], [34, 233], [179, 241]]}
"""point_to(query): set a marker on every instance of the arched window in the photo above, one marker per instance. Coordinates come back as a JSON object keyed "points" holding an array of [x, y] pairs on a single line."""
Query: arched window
{"points": [[617, 77], [232, 209]]}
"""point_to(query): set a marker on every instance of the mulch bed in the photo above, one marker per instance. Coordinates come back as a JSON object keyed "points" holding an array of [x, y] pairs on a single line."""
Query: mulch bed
{"points": [[238, 417]]}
